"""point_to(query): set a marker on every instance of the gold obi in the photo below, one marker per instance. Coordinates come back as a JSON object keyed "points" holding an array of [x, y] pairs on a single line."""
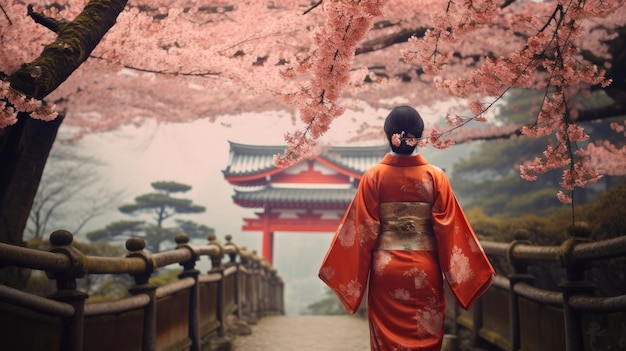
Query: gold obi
{"points": [[406, 226]]}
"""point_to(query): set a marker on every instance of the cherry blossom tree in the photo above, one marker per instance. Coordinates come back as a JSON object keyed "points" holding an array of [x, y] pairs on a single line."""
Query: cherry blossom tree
{"points": [[105, 64], [26, 142]]}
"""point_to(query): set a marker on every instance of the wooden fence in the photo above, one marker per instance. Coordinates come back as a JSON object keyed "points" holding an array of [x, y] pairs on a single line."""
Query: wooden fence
{"points": [[197, 312], [516, 315], [203, 311]]}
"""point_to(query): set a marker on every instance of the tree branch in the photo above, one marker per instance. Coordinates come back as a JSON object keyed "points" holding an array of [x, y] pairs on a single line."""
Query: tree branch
{"points": [[75, 42], [48, 22], [6, 15], [312, 7]]}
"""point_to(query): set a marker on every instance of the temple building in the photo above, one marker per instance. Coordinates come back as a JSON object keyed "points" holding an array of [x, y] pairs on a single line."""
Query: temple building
{"points": [[309, 196]]}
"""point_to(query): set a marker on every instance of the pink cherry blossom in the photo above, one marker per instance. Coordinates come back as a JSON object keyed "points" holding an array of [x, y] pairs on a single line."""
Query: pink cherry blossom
{"points": [[177, 61], [396, 139]]}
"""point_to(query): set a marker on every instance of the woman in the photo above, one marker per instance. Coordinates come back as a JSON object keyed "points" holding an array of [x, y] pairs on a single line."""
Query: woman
{"points": [[403, 229]]}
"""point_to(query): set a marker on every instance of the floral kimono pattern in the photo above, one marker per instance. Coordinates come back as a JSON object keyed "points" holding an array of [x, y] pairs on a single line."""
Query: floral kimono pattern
{"points": [[403, 232]]}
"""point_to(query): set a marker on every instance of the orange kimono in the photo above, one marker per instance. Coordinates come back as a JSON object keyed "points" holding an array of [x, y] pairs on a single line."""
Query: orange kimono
{"points": [[405, 232]]}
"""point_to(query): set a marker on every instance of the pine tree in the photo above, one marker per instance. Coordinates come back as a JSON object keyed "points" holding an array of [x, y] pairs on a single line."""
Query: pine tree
{"points": [[161, 205]]}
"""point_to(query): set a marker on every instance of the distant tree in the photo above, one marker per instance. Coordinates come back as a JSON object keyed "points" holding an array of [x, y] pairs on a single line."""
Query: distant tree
{"points": [[68, 196], [489, 177], [155, 237], [161, 206], [193, 229], [117, 229]]}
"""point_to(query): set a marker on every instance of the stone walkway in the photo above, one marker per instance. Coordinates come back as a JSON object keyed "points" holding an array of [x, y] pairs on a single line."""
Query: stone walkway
{"points": [[307, 333], [304, 333]]}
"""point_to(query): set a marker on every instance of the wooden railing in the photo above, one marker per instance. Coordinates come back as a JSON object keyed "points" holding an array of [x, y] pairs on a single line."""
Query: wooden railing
{"points": [[516, 315], [198, 311], [203, 311]]}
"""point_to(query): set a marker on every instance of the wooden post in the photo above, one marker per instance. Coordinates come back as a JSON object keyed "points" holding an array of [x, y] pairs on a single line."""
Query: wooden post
{"points": [[477, 321], [182, 240], [254, 287], [232, 254], [72, 339], [574, 285], [142, 286], [520, 275], [216, 267]]}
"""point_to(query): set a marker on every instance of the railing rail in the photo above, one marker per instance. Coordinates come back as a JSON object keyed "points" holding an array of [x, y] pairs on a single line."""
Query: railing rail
{"points": [[516, 315], [198, 311]]}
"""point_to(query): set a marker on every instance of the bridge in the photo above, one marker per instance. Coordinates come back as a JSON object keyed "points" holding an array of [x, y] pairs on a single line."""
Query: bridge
{"points": [[238, 304]]}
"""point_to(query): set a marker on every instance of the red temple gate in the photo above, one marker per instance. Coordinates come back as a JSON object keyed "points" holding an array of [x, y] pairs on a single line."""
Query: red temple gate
{"points": [[310, 196]]}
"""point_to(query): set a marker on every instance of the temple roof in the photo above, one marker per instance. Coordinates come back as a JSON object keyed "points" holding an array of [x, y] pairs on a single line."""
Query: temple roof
{"points": [[250, 160], [295, 197]]}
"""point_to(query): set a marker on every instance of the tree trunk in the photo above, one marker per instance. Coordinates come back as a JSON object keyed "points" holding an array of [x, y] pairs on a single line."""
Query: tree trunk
{"points": [[25, 146], [24, 149]]}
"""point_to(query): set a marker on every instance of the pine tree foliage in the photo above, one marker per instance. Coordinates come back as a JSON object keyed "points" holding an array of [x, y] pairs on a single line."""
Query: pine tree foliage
{"points": [[160, 206]]}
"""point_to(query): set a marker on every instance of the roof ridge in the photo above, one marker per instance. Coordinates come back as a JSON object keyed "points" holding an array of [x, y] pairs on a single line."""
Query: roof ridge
{"points": [[336, 148]]}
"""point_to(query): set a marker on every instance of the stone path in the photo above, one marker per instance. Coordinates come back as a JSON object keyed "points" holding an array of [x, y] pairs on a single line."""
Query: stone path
{"points": [[307, 333], [304, 333]]}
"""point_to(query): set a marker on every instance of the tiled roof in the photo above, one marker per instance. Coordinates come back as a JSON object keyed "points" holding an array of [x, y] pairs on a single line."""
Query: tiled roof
{"points": [[255, 159], [295, 197], [355, 158]]}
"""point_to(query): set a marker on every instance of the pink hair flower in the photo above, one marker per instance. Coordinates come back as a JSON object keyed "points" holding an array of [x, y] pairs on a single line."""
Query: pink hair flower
{"points": [[411, 141], [396, 139]]}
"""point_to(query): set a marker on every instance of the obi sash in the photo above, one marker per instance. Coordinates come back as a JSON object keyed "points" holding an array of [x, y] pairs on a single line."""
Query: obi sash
{"points": [[406, 226]]}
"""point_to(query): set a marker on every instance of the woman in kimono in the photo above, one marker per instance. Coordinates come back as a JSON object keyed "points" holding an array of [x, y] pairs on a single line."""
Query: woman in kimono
{"points": [[405, 231]]}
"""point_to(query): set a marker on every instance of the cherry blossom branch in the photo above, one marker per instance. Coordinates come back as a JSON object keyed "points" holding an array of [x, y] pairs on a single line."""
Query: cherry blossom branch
{"points": [[6, 15], [553, 52], [313, 7], [331, 59], [25, 88], [254, 38], [577, 172], [207, 74]]}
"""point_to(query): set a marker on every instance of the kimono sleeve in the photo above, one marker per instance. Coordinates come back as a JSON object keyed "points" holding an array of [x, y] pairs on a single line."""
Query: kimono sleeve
{"points": [[463, 260], [345, 268]]}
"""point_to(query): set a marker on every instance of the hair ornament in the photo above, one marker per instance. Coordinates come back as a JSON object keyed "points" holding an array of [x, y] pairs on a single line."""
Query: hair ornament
{"points": [[398, 138]]}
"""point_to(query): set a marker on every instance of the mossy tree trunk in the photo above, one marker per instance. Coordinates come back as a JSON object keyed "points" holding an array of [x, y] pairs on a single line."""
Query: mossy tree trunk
{"points": [[25, 146]]}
